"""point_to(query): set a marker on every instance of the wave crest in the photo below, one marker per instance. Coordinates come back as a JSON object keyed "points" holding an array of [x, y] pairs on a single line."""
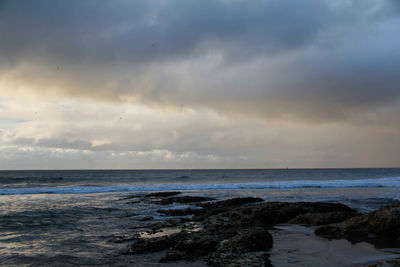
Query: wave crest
{"points": [[361, 183]]}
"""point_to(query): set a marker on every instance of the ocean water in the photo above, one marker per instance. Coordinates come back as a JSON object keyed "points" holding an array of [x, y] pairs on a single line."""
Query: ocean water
{"points": [[68, 218]]}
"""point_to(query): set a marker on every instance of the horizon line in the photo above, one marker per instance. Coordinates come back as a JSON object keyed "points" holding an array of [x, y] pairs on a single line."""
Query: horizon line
{"points": [[198, 169]]}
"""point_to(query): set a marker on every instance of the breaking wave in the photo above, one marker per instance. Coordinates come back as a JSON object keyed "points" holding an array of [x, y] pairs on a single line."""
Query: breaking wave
{"points": [[360, 183]]}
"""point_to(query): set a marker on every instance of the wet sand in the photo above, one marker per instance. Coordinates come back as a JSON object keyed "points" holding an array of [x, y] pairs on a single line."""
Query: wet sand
{"points": [[295, 245]]}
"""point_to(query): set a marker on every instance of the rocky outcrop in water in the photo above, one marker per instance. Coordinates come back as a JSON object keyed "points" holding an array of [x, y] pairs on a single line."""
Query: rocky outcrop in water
{"points": [[163, 194], [322, 218], [211, 208], [271, 213], [182, 200], [231, 232], [380, 227], [387, 263]]}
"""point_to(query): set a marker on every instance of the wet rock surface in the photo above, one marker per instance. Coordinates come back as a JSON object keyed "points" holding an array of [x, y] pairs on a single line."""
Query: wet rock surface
{"points": [[182, 212], [147, 218], [182, 199], [322, 218], [388, 263], [231, 232], [233, 202], [247, 240], [163, 194], [380, 227], [147, 245], [271, 213], [191, 247], [211, 208]]}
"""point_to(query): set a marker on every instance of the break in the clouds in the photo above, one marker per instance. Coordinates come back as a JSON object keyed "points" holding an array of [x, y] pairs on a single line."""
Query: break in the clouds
{"points": [[189, 83]]}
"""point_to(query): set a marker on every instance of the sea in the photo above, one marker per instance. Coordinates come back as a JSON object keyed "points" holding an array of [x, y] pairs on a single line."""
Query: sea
{"points": [[86, 217]]}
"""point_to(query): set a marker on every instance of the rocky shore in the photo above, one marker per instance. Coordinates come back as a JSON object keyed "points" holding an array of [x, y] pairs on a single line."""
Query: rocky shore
{"points": [[235, 232]]}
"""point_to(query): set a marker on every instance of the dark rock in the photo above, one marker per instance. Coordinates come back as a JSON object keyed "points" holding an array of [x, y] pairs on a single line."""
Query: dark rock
{"points": [[183, 199], [232, 232], [381, 227], [163, 194], [255, 239], [172, 223], [147, 218], [133, 202], [233, 202], [322, 217], [271, 213], [249, 259], [122, 239], [356, 229], [385, 221], [387, 263], [148, 245], [181, 212], [211, 208], [242, 247], [222, 239], [222, 230], [196, 246], [129, 215]]}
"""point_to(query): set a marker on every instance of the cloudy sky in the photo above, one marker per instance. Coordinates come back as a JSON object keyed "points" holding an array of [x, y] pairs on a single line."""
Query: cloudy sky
{"points": [[199, 84]]}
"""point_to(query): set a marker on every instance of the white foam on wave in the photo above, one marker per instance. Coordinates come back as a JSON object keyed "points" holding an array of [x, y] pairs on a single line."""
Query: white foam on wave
{"points": [[360, 183]]}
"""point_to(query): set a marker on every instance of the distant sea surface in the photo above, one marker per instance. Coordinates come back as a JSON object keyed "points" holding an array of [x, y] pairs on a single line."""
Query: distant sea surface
{"points": [[82, 217]]}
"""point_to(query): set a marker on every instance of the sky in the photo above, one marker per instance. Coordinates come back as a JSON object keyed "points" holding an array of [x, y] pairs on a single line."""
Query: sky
{"points": [[199, 84]]}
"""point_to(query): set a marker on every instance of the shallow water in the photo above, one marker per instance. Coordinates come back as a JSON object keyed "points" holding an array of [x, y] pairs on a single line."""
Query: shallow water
{"points": [[295, 245]]}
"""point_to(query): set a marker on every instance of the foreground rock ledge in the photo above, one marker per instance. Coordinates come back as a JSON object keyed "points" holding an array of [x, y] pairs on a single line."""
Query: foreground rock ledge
{"points": [[234, 232], [380, 227]]}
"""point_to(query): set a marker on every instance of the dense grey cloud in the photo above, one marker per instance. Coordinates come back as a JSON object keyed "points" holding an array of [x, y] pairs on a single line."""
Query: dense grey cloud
{"points": [[314, 60], [142, 30]]}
